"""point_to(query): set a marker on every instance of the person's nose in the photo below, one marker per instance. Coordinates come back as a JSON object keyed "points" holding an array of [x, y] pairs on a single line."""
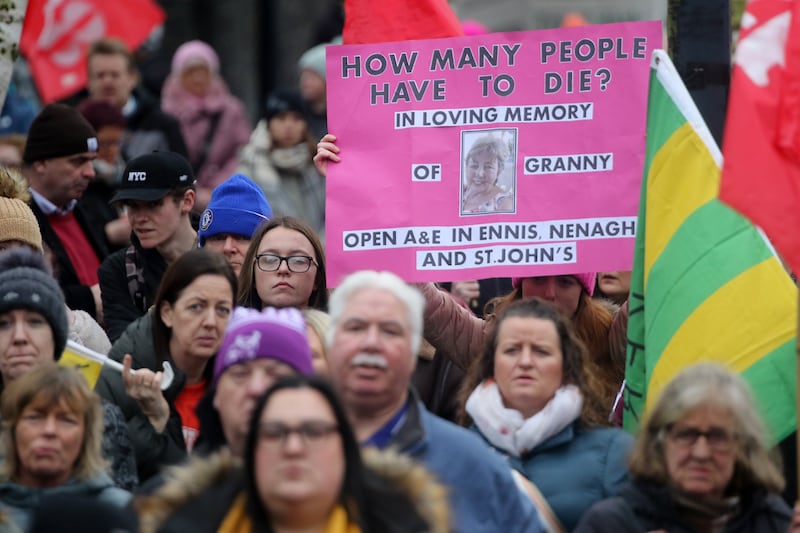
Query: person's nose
{"points": [[210, 317], [258, 383], [701, 449], [229, 246], [87, 171], [283, 267], [49, 426], [550, 289], [294, 444], [136, 214], [371, 339], [525, 358], [20, 332]]}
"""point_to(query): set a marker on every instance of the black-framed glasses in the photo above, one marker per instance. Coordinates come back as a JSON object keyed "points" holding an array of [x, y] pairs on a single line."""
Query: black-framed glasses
{"points": [[311, 432], [718, 439], [295, 263]]}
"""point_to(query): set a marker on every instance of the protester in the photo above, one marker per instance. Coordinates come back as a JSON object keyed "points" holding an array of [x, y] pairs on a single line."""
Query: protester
{"points": [[259, 347], [34, 330], [313, 88], [375, 335], [319, 322], [52, 428], [19, 228], [302, 470], [616, 285], [279, 159], [108, 122], [700, 463], [158, 193], [284, 267], [12, 145], [236, 210], [185, 328], [58, 167], [112, 76], [213, 121], [454, 330], [525, 395]]}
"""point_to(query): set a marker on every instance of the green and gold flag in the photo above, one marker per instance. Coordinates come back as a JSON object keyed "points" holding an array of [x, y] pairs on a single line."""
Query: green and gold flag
{"points": [[706, 285]]}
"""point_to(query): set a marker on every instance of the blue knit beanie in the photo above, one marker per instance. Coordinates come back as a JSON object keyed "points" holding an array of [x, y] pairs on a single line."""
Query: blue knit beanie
{"points": [[237, 206]]}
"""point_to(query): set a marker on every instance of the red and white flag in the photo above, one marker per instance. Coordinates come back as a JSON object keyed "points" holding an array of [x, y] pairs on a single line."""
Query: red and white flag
{"points": [[761, 145], [57, 33], [380, 21]]}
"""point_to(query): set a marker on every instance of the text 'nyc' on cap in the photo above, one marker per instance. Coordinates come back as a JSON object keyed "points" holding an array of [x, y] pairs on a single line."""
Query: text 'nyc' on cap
{"points": [[151, 177]]}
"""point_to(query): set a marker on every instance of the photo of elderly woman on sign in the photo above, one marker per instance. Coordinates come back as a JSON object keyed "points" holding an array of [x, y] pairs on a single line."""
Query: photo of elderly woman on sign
{"points": [[488, 173]]}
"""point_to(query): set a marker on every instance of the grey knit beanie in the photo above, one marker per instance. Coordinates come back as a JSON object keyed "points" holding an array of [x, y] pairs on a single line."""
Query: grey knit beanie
{"points": [[26, 283]]}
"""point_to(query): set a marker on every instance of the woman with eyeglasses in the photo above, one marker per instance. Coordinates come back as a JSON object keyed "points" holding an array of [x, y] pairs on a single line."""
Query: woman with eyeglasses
{"points": [[303, 471], [284, 267], [700, 464]]}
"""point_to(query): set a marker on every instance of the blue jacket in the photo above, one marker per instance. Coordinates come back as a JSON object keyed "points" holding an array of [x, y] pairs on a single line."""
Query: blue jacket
{"points": [[575, 468], [483, 494]]}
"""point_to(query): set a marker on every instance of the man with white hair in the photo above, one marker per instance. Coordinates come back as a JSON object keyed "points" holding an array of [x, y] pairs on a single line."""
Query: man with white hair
{"points": [[376, 331]]}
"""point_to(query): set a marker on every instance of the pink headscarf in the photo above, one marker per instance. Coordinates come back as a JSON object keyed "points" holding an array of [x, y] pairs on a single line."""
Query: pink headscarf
{"points": [[193, 51]]}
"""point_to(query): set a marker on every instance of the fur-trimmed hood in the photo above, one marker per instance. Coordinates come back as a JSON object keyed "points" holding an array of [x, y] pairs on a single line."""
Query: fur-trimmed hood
{"points": [[205, 486]]}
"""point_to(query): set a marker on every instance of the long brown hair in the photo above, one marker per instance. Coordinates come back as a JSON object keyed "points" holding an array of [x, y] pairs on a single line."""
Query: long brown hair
{"points": [[591, 323], [248, 295], [573, 351]]}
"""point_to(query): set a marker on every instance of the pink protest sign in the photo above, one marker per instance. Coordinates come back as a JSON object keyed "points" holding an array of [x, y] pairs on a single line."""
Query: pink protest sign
{"points": [[505, 154]]}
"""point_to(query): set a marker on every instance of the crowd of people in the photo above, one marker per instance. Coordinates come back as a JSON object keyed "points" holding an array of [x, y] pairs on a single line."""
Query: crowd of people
{"points": [[174, 238]]}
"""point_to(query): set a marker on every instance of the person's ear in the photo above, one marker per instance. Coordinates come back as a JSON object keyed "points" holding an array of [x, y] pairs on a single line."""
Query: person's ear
{"points": [[166, 312], [187, 202]]}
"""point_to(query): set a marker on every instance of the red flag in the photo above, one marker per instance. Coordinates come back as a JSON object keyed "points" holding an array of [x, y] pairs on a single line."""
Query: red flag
{"points": [[380, 21], [761, 148], [57, 33]]}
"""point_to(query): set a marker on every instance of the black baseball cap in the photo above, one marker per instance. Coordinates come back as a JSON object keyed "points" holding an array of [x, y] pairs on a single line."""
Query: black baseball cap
{"points": [[151, 177]]}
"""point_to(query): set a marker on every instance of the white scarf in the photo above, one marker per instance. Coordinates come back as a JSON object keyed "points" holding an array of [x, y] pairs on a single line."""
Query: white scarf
{"points": [[295, 157], [506, 428]]}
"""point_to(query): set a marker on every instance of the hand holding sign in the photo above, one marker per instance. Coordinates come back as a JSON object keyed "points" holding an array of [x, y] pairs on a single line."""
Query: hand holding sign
{"points": [[326, 151]]}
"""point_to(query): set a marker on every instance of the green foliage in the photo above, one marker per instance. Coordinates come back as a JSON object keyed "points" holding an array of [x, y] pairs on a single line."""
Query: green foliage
{"points": [[737, 8]]}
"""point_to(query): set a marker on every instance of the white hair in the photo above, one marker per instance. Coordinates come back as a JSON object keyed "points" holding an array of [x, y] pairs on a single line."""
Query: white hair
{"points": [[410, 297]]}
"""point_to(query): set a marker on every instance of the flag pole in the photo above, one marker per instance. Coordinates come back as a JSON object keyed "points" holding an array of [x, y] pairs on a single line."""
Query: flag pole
{"points": [[797, 405]]}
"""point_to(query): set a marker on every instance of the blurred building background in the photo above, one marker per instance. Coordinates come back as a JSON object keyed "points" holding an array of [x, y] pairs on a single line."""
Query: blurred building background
{"points": [[260, 41]]}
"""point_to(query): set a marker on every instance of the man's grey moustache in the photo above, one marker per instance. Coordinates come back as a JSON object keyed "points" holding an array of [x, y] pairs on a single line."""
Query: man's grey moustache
{"points": [[370, 359]]}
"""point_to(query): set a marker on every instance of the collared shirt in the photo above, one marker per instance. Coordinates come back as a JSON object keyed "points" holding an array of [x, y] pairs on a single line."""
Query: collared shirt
{"points": [[130, 106], [48, 207], [381, 438]]}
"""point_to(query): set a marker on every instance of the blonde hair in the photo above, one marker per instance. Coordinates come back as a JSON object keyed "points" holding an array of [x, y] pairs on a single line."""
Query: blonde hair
{"points": [[700, 385], [50, 385], [320, 322], [491, 145]]}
